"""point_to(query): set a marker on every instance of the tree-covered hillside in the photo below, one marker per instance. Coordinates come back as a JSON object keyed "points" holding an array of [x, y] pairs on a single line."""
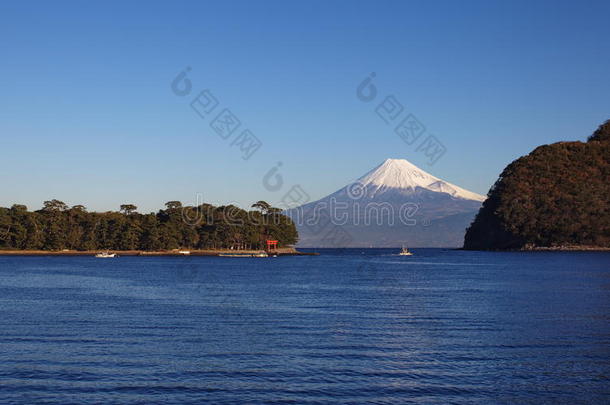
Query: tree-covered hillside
{"points": [[557, 195], [57, 227]]}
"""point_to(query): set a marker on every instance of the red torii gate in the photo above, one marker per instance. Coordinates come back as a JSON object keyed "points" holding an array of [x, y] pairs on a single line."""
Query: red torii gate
{"points": [[271, 244]]}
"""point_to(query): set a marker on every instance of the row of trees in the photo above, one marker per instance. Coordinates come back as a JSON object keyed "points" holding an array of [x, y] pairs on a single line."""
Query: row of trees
{"points": [[57, 226]]}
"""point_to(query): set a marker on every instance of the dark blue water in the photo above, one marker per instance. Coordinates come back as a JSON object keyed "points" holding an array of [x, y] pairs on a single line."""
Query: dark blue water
{"points": [[347, 327]]}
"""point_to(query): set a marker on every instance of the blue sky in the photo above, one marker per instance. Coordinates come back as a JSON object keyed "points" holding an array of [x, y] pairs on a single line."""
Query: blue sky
{"points": [[87, 114]]}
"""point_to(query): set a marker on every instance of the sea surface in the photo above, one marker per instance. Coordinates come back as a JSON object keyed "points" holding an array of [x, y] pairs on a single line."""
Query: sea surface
{"points": [[349, 326]]}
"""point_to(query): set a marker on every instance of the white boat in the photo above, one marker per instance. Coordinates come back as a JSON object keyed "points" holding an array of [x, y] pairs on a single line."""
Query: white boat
{"points": [[184, 252], [105, 255], [261, 254], [405, 252]]}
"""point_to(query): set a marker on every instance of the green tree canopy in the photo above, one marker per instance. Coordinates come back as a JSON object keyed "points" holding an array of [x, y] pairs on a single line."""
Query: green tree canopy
{"points": [[557, 195], [128, 209], [54, 205], [56, 227], [171, 205], [263, 206]]}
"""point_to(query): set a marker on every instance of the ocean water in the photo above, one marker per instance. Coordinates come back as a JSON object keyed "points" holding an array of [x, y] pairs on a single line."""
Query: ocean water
{"points": [[348, 327]]}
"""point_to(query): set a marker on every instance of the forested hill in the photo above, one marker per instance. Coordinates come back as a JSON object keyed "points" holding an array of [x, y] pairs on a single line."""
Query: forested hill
{"points": [[557, 195], [57, 227]]}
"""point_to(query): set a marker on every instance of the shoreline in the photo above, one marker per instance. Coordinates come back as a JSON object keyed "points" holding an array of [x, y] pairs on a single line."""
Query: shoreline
{"points": [[583, 248], [161, 253], [566, 249]]}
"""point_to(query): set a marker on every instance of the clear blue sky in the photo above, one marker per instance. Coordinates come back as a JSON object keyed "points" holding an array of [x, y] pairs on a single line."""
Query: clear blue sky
{"points": [[87, 114]]}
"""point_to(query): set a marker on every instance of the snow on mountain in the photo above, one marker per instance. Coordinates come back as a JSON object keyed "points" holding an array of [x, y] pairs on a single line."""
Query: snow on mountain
{"points": [[395, 203], [402, 174]]}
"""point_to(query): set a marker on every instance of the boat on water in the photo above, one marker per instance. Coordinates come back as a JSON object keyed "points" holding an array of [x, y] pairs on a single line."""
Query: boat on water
{"points": [[105, 255], [405, 252], [260, 254]]}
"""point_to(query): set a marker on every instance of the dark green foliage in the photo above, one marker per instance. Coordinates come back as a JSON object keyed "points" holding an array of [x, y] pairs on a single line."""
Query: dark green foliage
{"points": [[602, 134], [57, 227], [557, 195]]}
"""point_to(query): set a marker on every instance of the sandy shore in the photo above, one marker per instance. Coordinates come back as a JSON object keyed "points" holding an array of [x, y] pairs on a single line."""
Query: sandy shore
{"points": [[208, 252]]}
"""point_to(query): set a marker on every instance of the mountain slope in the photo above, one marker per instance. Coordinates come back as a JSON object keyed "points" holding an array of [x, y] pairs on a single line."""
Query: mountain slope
{"points": [[396, 203], [402, 174]]}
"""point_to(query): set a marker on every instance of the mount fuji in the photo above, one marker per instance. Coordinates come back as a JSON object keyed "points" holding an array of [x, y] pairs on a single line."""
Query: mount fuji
{"points": [[394, 204]]}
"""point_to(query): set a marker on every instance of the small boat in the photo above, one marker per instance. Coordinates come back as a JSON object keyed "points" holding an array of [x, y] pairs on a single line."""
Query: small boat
{"points": [[405, 252], [105, 255], [184, 252], [261, 254]]}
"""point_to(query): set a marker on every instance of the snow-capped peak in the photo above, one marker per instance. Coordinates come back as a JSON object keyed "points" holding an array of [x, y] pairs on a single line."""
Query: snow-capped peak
{"points": [[402, 174]]}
